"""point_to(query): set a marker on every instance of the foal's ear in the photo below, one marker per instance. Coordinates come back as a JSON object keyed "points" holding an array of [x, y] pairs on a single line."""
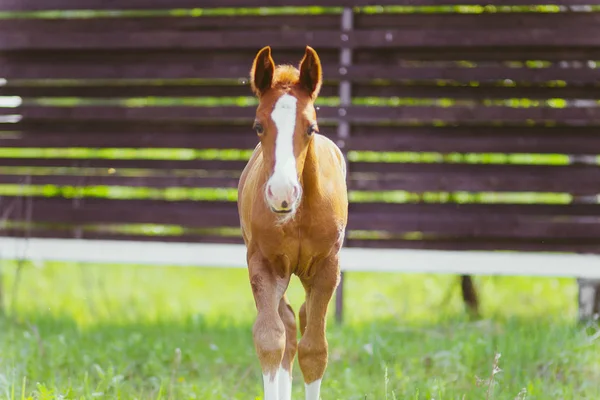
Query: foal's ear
{"points": [[311, 74], [261, 74]]}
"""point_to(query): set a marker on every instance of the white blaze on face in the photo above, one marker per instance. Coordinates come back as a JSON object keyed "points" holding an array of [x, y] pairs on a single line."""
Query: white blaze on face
{"points": [[285, 176]]}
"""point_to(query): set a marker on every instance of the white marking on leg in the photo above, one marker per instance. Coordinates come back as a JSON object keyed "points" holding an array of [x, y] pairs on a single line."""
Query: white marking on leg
{"points": [[271, 386], [285, 384], [285, 174], [313, 390]]}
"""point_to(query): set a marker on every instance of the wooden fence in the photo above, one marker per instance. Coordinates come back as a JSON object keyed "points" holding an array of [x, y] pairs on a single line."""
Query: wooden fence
{"points": [[466, 127]]}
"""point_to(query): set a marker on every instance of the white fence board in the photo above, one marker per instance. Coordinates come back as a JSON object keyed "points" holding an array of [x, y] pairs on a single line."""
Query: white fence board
{"points": [[352, 259]]}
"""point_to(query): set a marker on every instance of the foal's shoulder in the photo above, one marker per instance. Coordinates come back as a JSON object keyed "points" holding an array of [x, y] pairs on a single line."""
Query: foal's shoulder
{"points": [[327, 148], [244, 175]]}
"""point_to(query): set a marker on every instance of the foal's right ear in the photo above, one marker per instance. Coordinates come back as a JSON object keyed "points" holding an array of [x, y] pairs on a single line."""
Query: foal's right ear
{"points": [[263, 68]]}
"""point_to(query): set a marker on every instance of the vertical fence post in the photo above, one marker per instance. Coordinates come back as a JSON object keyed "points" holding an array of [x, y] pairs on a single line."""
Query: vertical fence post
{"points": [[343, 131], [589, 289]]}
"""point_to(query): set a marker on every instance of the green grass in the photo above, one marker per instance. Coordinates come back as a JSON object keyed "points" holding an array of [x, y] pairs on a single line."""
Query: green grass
{"points": [[131, 332]]}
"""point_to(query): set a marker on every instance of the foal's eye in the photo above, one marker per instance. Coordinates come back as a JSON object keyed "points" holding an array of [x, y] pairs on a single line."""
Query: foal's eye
{"points": [[258, 128], [312, 129]]}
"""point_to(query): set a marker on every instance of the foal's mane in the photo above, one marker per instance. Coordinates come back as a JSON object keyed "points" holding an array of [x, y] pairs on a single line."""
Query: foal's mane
{"points": [[285, 76]]}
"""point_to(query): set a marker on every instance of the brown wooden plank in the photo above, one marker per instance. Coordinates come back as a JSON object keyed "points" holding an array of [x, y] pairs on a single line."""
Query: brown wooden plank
{"points": [[396, 56], [219, 132], [359, 210], [430, 91], [135, 90], [504, 139], [356, 114], [481, 92], [434, 219], [442, 210], [202, 140], [486, 37], [221, 165], [211, 57], [113, 113], [200, 136], [480, 115], [196, 214], [362, 21], [483, 139], [580, 179], [493, 225], [289, 39], [123, 127], [172, 23], [212, 61], [590, 246], [129, 181], [169, 40], [37, 5], [449, 139], [165, 90], [587, 246], [121, 69], [484, 74], [155, 64], [394, 212], [74, 233], [386, 64], [467, 21]]}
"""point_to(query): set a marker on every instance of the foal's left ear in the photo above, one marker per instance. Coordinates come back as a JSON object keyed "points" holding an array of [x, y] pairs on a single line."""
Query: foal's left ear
{"points": [[311, 73]]}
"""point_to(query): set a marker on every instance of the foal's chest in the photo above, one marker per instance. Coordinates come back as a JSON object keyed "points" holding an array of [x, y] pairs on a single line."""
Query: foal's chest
{"points": [[301, 245]]}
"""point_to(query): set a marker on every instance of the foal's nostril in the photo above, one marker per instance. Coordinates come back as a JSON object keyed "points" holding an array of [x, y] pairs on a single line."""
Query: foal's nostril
{"points": [[295, 192], [269, 192], [284, 204]]}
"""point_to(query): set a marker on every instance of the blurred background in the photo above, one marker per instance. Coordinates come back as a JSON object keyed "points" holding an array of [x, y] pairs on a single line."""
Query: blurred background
{"points": [[470, 131]]}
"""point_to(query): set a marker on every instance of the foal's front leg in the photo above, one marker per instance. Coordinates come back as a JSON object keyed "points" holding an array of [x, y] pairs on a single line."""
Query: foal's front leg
{"points": [[269, 330], [313, 347]]}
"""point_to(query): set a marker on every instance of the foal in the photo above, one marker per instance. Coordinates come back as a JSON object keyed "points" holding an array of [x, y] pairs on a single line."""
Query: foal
{"points": [[293, 206]]}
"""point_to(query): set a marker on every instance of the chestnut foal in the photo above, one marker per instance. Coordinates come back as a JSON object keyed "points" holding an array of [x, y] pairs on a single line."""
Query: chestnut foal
{"points": [[293, 206]]}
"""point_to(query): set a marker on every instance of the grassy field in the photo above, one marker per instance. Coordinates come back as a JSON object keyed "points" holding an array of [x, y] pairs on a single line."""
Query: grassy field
{"points": [[131, 332], [126, 332]]}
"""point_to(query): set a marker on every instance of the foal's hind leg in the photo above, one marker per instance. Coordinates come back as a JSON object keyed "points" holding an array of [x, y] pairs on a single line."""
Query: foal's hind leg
{"points": [[291, 345], [302, 317]]}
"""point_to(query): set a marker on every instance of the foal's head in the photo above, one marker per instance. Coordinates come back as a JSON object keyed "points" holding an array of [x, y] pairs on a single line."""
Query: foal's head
{"points": [[285, 123]]}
